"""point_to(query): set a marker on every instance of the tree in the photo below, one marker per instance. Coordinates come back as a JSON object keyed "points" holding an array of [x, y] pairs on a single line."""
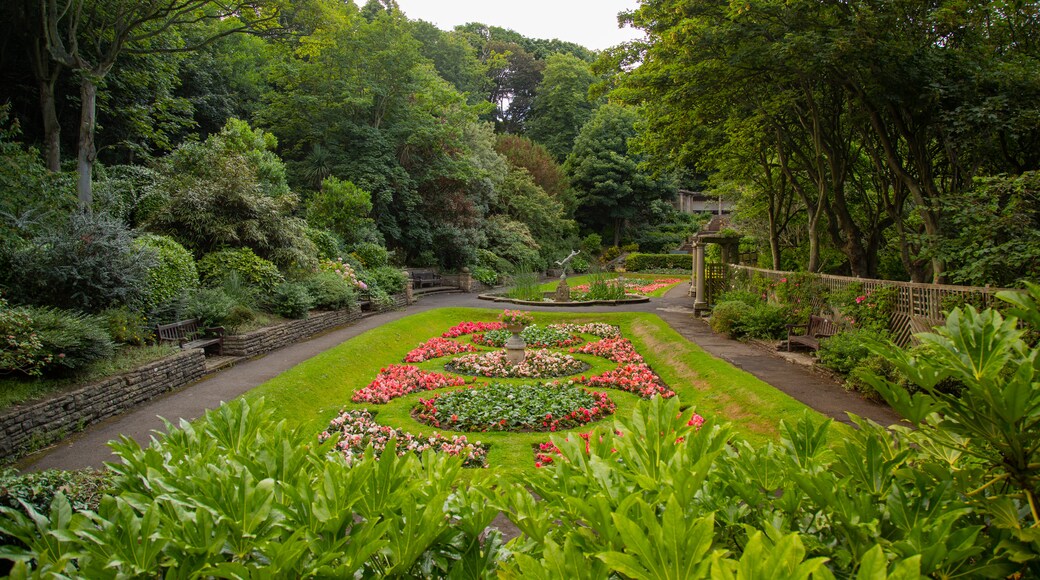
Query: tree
{"points": [[611, 187], [561, 104], [522, 152], [89, 36]]}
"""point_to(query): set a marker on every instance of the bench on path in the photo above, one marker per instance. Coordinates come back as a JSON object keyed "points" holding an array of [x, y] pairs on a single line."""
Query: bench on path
{"points": [[421, 279], [186, 334], [818, 327]]}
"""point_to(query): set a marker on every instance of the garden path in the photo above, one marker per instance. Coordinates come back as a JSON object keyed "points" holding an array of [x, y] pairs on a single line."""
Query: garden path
{"points": [[89, 448]]}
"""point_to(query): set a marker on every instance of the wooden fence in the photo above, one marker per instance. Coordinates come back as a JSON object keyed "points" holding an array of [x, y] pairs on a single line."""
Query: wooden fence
{"points": [[919, 307]]}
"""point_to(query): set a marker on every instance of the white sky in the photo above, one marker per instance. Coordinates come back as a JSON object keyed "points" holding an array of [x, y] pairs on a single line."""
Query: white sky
{"points": [[590, 23]]}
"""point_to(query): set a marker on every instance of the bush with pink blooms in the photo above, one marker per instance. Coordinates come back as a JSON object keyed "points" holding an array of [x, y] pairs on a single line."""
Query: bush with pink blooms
{"points": [[600, 329], [399, 380], [534, 336], [633, 378], [358, 431], [437, 347]]}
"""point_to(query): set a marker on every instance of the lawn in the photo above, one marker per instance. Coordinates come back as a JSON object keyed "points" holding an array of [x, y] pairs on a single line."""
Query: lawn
{"points": [[573, 281], [312, 393]]}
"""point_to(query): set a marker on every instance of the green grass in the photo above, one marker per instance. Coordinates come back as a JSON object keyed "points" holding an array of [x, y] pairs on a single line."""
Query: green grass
{"points": [[17, 389], [573, 281], [312, 393]]}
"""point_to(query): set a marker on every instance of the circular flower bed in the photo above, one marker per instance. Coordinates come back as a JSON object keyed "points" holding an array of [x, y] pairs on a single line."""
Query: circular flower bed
{"points": [[535, 336], [358, 431], [471, 327], [539, 364], [619, 350], [600, 329], [634, 378], [512, 407]]}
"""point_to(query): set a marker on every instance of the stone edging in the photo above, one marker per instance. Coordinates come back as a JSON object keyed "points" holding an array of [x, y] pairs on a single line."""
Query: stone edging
{"points": [[35, 424], [634, 300]]}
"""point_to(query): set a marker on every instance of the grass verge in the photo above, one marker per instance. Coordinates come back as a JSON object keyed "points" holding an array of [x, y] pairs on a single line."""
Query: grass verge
{"points": [[573, 281], [312, 393]]}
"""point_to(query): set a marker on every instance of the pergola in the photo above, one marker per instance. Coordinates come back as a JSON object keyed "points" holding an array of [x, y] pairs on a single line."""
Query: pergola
{"points": [[712, 234]]}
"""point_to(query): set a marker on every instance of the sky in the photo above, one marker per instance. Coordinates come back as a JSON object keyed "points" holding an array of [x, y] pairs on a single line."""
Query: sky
{"points": [[590, 23]]}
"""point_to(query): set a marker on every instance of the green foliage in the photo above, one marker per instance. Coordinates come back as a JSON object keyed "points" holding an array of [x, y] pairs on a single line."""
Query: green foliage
{"points": [[610, 254], [127, 327], [255, 271], [846, 350], [343, 208], [82, 489], [22, 350], [992, 235], [230, 192], [524, 285], [485, 275], [765, 321], [174, 272], [386, 278], [604, 286], [592, 245], [371, 255], [561, 105], [290, 300], [727, 313], [73, 340], [579, 265], [216, 307], [90, 263], [237, 494], [330, 291], [524, 153], [327, 243], [642, 262], [866, 309]]}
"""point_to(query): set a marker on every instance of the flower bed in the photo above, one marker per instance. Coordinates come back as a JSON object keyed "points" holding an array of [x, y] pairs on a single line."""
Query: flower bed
{"points": [[534, 336], [599, 329], [358, 431], [436, 348], [631, 287], [633, 378], [619, 350], [471, 327], [538, 364], [399, 380], [548, 453], [512, 407]]}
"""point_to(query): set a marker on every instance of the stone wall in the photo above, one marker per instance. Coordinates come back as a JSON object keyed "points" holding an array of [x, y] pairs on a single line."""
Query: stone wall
{"points": [[24, 427], [273, 337]]}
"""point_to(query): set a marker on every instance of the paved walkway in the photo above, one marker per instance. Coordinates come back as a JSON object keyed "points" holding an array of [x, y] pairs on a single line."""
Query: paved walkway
{"points": [[89, 449]]}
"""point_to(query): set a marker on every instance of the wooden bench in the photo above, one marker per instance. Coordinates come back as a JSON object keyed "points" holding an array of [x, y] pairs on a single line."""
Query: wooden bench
{"points": [[422, 279], [818, 327], [186, 334]]}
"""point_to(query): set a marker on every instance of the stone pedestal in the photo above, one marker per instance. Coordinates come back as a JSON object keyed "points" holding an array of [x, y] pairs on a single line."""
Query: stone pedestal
{"points": [[563, 292], [515, 345], [466, 280], [409, 291]]}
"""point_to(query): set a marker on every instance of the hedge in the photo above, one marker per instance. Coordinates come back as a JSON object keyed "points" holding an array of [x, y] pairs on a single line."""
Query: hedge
{"points": [[640, 262]]}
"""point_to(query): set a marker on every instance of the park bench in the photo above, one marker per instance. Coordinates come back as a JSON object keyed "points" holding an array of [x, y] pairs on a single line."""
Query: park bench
{"points": [[186, 334], [423, 279], [818, 327]]}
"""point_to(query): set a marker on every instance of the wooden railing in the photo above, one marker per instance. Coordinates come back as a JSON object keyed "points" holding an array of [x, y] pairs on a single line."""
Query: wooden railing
{"points": [[919, 307]]}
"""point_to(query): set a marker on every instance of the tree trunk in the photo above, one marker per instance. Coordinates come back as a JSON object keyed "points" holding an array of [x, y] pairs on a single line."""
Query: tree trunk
{"points": [[51, 127], [87, 152]]}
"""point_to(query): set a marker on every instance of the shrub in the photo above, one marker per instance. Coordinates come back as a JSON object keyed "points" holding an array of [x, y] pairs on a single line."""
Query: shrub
{"points": [[580, 265], [642, 262], [371, 255], [847, 349], [525, 286], [485, 275], [725, 314], [126, 326], [291, 300], [764, 320], [328, 243], [611, 253], [214, 307], [215, 268], [386, 278], [629, 248], [745, 296], [173, 273], [341, 207], [20, 347], [330, 291], [73, 339], [90, 263], [591, 245]]}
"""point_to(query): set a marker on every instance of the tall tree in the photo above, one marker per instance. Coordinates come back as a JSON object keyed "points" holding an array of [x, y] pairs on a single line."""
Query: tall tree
{"points": [[89, 36], [611, 187], [561, 105]]}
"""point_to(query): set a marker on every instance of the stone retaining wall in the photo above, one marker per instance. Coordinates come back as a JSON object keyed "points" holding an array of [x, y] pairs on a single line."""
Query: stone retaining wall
{"points": [[25, 427], [267, 339]]}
